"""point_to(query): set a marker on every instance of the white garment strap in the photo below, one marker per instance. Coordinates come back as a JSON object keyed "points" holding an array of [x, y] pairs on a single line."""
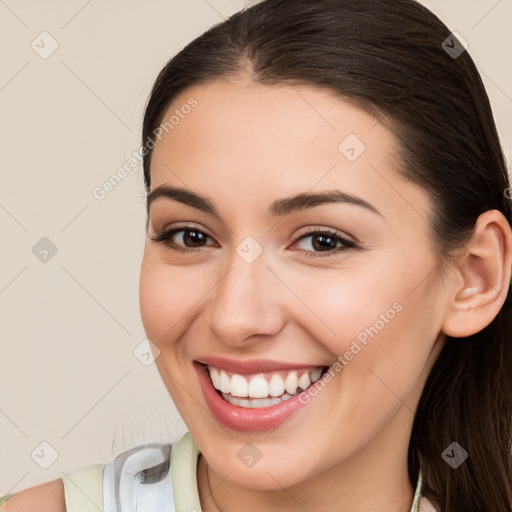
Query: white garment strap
{"points": [[139, 480]]}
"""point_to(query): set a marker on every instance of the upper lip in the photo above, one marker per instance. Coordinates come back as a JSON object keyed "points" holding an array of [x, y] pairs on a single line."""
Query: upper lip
{"points": [[241, 366]]}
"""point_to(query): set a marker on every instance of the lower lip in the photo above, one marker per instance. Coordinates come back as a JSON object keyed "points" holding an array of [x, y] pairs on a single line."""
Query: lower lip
{"points": [[242, 418]]}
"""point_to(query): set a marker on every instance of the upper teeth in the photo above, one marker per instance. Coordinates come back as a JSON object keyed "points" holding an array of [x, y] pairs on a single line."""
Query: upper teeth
{"points": [[263, 385]]}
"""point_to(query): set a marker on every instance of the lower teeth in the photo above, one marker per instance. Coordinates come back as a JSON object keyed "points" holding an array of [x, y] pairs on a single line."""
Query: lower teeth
{"points": [[255, 403]]}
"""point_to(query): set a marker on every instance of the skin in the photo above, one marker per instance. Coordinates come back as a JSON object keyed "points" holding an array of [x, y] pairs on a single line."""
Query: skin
{"points": [[47, 497], [288, 307], [244, 146]]}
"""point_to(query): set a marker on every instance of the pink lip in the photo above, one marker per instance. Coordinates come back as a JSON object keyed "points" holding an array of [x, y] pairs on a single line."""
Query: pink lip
{"points": [[249, 367], [241, 418]]}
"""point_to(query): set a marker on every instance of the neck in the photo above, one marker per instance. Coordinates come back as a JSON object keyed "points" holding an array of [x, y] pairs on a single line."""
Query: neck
{"points": [[373, 478]]}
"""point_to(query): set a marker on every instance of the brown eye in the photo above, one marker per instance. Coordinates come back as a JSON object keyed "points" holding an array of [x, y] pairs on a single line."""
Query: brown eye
{"points": [[191, 238], [325, 241]]}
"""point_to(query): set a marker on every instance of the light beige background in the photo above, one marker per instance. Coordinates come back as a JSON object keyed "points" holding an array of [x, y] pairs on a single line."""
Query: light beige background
{"points": [[68, 327]]}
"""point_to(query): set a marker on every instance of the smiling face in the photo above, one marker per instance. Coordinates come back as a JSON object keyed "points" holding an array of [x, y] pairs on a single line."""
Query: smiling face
{"points": [[350, 279]]}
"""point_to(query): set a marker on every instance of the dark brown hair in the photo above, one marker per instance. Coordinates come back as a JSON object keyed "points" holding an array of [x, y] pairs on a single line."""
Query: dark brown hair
{"points": [[393, 59]]}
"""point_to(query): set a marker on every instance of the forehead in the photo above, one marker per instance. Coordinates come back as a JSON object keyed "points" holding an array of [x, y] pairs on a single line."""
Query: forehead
{"points": [[269, 141]]}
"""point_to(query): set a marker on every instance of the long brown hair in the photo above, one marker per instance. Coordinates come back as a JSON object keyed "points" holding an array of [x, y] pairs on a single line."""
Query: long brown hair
{"points": [[396, 60]]}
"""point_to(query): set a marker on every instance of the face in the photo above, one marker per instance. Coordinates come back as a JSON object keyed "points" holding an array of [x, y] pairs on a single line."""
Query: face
{"points": [[344, 282]]}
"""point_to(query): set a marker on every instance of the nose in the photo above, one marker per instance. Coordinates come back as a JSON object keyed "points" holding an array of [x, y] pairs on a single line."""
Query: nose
{"points": [[245, 305]]}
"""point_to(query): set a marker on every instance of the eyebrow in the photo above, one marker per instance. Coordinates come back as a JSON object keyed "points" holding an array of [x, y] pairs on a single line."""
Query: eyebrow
{"points": [[279, 207]]}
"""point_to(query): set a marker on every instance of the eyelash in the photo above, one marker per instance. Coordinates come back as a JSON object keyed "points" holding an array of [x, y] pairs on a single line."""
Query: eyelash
{"points": [[165, 236]]}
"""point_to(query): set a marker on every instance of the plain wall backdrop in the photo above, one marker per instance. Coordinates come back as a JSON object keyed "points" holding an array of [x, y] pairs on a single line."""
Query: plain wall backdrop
{"points": [[74, 79]]}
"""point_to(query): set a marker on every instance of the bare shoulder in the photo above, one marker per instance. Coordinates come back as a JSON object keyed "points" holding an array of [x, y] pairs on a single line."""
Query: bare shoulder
{"points": [[47, 497]]}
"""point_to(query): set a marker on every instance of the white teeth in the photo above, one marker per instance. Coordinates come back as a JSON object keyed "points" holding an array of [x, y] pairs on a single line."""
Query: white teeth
{"points": [[276, 385], [304, 381], [258, 387], [214, 375], [251, 404], [291, 383], [316, 374], [264, 392], [239, 386], [224, 382], [264, 402], [237, 401]]}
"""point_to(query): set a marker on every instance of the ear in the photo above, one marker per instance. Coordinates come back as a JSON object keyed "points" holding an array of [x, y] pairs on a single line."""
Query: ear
{"points": [[482, 277]]}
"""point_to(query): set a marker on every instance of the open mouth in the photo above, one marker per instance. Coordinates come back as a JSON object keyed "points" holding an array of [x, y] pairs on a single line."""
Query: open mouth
{"points": [[266, 389]]}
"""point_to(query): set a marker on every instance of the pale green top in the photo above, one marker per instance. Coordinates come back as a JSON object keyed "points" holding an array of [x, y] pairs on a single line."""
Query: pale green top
{"points": [[84, 487]]}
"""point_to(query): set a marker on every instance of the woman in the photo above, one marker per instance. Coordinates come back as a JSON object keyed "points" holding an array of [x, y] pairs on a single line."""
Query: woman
{"points": [[326, 272]]}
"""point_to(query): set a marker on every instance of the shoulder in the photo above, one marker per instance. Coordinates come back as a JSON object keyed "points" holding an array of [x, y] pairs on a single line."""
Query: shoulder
{"points": [[139, 475], [76, 491], [46, 497]]}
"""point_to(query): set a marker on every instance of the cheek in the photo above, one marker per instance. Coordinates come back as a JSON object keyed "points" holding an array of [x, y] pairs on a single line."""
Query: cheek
{"points": [[339, 307], [386, 309], [384, 336], [167, 298]]}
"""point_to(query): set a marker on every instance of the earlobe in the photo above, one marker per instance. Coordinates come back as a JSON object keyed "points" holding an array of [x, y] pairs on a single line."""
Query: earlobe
{"points": [[483, 277]]}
